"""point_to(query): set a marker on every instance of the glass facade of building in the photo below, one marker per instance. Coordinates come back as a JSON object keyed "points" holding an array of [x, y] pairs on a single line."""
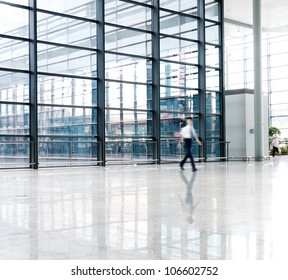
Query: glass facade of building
{"points": [[240, 70], [96, 81]]}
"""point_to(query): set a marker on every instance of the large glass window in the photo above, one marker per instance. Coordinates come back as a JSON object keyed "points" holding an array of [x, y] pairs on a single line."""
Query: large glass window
{"points": [[240, 70], [77, 85]]}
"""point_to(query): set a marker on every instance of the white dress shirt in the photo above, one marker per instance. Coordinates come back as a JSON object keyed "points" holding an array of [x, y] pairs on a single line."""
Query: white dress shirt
{"points": [[188, 131], [275, 141]]}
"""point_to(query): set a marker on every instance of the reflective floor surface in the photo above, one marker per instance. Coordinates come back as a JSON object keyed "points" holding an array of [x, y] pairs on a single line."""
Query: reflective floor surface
{"points": [[226, 210]]}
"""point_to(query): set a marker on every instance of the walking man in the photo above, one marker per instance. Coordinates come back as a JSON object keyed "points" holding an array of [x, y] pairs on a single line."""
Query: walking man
{"points": [[188, 133]]}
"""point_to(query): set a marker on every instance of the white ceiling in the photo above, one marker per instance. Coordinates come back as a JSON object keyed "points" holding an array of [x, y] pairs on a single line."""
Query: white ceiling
{"points": [[274, 13]]}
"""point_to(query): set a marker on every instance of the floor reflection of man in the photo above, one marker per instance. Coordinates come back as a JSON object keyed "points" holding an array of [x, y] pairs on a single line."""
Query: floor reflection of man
{"points": [[188, 203]]}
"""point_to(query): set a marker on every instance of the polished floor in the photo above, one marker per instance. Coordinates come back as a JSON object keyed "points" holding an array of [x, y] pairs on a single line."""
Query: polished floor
{"points": [[226, 210]]}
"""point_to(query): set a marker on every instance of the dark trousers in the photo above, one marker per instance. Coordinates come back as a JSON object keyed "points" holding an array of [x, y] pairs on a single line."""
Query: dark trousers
{"points": [[188, 144], [275, 150]]}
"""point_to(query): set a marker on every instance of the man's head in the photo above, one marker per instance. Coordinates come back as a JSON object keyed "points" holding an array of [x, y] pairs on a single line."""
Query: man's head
{"points": [[189, 120]]}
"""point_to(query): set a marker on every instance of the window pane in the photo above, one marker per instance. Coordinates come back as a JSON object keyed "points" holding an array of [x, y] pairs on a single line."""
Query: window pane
{"points": [[66, 121], [14, 119], [80, 8], [182, 100], [126, 123], [212, 56], [213, 126], [20, 2], [126, 68], [173, 24], [8, 23], [279, 97], [128, 96], [279, 109], [213, 148], [178, 50], [66, 91], [66, 31], [127, 41], [14, 54], [212, 79], [61, 151], [171, 124], [184, 6], [213, 103], [53, 59], [212, 33], [211, 11], [14, 87], [127, 14], [14, 152], [179, 75]]}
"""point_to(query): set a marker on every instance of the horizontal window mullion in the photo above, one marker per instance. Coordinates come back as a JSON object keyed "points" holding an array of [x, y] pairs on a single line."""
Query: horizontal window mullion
{"points": [[14, 70], [127, 109], [212, 68], [15, 38], [137, 3], [127, 27], [129, 137], [212, 21], [129, 55], [179, 62], [67, 46], [14, 103], [64, 136], [16, 5], [67, 16], [178, 13], [65, 75], [178, 38], [128, 82], [213, 45], [66, 106], [14, 135], [175, 87], [176, 112]]}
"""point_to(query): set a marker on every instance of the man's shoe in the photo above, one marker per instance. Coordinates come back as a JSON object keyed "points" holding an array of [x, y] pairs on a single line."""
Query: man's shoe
{"points": [[181, 166], [194, 170]]}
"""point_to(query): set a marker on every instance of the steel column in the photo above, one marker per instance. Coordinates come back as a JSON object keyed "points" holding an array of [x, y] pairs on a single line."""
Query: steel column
{"points": [[101, 81], [33, 121], [156, 80], [202, 74]]}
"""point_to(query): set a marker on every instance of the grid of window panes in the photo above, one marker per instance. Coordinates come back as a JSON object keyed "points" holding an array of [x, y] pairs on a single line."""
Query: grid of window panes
{"points": [[14, 84], [128, 88], [179, 48], [214, 74], [179, 74], [54, 45], [239, 71], [66, 57]]}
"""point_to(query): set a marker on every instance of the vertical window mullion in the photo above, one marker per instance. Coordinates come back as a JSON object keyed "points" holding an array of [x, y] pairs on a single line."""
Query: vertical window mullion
{"points": [[33, 86]]}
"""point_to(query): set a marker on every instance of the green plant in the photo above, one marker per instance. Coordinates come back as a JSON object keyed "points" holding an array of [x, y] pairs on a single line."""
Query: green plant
{"points": [[284, 151], [274, 130]]}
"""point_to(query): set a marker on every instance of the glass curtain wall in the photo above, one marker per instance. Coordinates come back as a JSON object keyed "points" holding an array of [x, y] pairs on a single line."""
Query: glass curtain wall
{"points": [[128, 82], [66, 80], [90, 81], [239, 70], [14, 85]]}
